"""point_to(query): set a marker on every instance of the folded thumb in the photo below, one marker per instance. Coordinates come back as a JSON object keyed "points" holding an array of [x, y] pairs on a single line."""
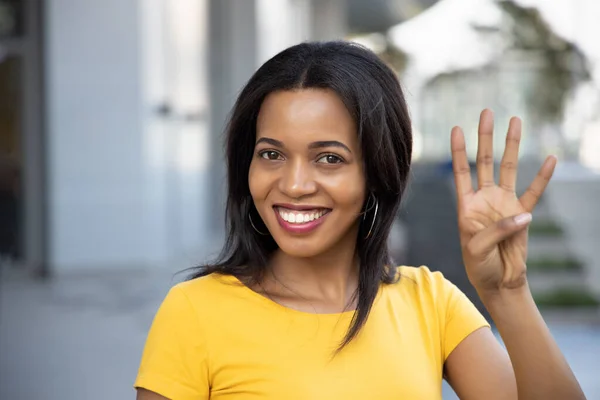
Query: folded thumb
{"points": [[488, 239]]}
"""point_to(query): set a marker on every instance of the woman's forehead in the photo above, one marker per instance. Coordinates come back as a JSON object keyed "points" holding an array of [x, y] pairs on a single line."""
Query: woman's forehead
{"points": [[305, 114]]}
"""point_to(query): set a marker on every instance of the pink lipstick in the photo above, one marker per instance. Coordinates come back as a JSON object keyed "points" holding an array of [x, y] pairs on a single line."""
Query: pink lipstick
{"points": [[297, 219]]}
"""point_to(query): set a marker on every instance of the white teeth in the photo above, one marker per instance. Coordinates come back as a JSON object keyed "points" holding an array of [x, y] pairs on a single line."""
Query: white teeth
{"points": [[297, 217]]}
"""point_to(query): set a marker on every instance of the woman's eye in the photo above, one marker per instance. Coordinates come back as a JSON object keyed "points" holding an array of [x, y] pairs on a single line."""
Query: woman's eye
{"points": [[330, 159], [270, 155]]}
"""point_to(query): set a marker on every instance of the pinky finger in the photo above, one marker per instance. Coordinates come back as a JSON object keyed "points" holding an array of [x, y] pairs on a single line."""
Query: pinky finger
{"points": [[532, 195]]}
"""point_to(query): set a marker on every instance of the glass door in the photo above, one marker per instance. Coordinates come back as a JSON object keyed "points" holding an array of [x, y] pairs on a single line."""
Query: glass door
{"points": [[22, 189], [11, 160]]}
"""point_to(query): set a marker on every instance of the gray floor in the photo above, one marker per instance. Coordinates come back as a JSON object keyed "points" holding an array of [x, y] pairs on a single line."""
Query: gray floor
{"points": [[81, 338]]}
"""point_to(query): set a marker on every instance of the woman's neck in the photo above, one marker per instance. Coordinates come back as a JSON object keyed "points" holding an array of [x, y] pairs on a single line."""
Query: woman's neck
{"points": [[327, 281]]}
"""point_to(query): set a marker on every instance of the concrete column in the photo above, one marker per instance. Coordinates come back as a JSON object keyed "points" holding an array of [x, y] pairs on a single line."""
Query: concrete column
{"points": [[232, 60], [329, 19], [34, 213]]}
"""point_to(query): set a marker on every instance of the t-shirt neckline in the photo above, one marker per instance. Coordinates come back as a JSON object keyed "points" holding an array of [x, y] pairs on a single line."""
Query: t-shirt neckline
{"points": [[273, 304]]}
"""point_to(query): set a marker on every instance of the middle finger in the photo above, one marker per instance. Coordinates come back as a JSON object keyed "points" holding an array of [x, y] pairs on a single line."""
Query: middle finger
{"points": [[485, 150], [510, 159]]}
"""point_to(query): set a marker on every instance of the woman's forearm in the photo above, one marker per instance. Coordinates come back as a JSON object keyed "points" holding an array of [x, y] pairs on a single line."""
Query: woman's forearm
{"points": [[540, 368]]}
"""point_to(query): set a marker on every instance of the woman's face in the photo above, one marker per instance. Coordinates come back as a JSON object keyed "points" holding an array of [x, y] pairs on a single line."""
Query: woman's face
{"points": [[306, 177]]}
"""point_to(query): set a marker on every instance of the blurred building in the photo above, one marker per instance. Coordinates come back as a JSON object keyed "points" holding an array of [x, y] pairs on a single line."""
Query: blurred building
{"points": [[111, 113], [107, 124], [536, 59], [531, 58]]}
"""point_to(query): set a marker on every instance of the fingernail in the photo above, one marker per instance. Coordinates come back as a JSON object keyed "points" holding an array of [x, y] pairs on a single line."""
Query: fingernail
{"points": [[523, 219]]}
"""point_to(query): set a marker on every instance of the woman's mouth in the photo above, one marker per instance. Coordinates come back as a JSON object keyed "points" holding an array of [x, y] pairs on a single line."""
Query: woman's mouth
{"points": [[303, 220]]}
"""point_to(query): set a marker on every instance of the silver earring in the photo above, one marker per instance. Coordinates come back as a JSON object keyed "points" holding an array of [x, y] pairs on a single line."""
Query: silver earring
{"points": [[374, 216], [252, 223]]}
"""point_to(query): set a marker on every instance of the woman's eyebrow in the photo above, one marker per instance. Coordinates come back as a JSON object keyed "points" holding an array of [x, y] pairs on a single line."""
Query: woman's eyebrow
{"points": [[270, 141], [329, 143], [314, 145]]}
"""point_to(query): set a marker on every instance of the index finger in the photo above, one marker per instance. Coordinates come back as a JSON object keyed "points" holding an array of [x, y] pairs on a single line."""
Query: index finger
{"points": [[460, 163], [532, 195]]}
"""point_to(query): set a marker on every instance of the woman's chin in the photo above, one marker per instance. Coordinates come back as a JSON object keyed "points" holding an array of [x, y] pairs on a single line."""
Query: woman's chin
{"points": [[301, 247], [313, 244]]}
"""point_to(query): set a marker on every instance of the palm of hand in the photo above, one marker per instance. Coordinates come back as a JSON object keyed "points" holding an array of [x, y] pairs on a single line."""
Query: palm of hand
{"points": [[506, 262], [493, 241]]}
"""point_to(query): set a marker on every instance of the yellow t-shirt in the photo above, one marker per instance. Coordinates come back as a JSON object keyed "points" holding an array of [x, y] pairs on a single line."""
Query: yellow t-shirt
{"points": [[215, 338]]}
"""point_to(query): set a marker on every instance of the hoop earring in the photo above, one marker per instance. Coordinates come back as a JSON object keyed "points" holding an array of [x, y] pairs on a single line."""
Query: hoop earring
{"points": [[374, 216], [257, 231]]}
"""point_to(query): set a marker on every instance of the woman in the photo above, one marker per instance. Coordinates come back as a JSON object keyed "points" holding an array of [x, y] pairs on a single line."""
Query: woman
{"points": [[304, 302]]}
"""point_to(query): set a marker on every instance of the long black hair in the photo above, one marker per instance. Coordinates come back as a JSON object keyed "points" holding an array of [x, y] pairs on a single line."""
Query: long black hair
{"points": [[373, 96]]}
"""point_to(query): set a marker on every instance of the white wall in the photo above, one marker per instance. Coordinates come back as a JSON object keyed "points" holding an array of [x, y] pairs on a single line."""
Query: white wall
{"points": [[107, 208]]}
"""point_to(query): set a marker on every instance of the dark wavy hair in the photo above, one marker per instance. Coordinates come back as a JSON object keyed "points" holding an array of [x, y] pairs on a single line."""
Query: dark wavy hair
{"points": [[373, 96]]}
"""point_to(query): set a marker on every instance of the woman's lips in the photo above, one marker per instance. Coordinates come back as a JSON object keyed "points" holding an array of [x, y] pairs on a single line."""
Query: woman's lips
{"points": [[300, 220]]}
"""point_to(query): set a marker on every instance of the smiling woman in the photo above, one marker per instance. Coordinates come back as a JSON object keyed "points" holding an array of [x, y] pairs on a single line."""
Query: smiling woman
{"points": [[304, 301], [308, 163]]}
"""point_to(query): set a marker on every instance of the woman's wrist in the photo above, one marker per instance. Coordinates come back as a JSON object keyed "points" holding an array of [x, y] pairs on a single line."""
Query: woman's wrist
{"points": [[506, 297]]}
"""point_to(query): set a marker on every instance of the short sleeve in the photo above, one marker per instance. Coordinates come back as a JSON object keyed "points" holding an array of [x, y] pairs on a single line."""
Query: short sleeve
{"points": [[174, 361], [460, 316]]}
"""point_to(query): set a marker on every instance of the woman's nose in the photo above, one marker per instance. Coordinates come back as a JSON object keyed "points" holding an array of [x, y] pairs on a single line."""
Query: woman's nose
{"points": [[297, 180]]}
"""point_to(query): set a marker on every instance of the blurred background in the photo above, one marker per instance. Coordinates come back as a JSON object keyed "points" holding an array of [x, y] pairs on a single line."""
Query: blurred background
{"points": [[112, 174]]}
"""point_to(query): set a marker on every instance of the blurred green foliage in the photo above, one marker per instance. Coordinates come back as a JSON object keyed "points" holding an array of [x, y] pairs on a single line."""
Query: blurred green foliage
{"points": [[554, 265], [547, 228], [567, 298]]}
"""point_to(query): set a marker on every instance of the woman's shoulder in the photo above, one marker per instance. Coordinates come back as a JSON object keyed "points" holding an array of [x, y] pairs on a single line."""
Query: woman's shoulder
{"points": [[420, 275], [421, 282], [208, 287], [439, 304], [203, 298]]}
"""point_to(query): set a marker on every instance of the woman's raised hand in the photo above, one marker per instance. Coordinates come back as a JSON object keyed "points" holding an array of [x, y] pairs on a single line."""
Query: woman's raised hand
{"points": [[493, 220]]}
